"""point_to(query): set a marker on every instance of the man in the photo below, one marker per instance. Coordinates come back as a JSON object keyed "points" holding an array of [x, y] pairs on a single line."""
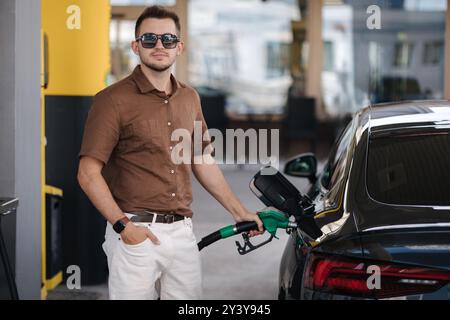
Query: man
{"points": [[127, 171]]}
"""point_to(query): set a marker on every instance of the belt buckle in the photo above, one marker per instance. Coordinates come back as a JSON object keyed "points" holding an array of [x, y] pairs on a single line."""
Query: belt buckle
{"points": [[169, 218]]}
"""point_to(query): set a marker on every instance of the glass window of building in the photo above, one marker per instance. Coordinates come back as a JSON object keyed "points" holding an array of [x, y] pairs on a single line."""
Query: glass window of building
{"points": [[328, 54], [403, 54], [433, 53], [277, 59]]}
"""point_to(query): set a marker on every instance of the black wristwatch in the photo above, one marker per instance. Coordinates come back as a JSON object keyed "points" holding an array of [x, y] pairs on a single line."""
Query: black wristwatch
{"points": [[120, 225]]}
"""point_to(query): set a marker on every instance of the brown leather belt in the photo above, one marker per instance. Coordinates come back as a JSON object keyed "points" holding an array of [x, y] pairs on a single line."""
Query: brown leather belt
{"points": [[147, 217]]}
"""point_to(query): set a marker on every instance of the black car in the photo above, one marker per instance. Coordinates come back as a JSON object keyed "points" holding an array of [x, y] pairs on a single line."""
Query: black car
{"points": [[381, 209]]}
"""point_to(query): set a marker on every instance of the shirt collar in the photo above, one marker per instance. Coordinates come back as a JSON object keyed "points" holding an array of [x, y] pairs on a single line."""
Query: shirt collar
{"points": [[146, 86]]}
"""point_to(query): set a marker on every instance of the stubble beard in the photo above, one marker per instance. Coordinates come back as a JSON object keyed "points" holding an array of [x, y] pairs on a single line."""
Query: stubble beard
{"points": [[156, 67]]}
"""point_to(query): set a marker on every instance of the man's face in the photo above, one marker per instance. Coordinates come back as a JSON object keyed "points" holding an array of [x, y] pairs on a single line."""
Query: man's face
{"points": [[157, 58]]}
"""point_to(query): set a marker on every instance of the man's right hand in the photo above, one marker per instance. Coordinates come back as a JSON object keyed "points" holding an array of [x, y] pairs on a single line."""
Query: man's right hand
{"points": [[133, 235]]}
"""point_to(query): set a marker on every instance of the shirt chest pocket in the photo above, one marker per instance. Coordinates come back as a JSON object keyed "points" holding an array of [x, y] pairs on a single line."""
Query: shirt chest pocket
{"points": [[141, 134]]}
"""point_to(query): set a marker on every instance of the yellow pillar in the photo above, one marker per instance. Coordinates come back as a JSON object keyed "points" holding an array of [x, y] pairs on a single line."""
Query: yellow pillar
{"points": [[447, 54], [78, 45], [315, 54], [75, 62]]}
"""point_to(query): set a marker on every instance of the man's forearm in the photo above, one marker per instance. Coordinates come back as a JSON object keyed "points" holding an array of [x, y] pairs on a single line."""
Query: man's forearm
{"points": [[95, 187]]}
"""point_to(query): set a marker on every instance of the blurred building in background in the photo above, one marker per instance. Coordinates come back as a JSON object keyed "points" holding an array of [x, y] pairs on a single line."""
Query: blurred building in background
{"points": [[402, 60], [242, 48], [405, 58]]}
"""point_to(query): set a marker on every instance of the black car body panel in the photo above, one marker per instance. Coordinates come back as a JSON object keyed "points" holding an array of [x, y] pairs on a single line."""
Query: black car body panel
{"points": [[427, 246], [355, 224]]}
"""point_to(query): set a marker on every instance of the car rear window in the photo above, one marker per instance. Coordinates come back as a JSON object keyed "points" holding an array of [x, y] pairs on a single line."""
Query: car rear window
{"points": [[410, 168]]}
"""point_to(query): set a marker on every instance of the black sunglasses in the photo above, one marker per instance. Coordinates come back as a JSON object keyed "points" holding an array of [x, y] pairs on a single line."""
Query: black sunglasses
{"points": [[149, 40]]}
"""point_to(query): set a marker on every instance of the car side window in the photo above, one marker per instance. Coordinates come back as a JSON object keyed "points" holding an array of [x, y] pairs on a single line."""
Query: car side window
{"points": [[325, 179], [337, 156]]}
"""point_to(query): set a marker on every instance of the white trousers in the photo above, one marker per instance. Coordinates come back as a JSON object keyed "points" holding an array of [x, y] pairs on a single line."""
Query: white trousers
{"points": [[145, 271]]}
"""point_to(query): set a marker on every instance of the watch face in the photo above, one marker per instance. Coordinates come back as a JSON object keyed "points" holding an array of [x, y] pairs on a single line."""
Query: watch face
{"points": [[119, 226]]}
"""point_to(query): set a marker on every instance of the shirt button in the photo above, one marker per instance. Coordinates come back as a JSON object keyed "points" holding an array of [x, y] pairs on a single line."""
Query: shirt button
{"points": [[166, 101], [171, 148], [173, 194], [172, 171], [169, 123]]}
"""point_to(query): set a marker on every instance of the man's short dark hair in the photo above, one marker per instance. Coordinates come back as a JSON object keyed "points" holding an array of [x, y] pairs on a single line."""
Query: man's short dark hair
{"points": [[157, 12]]}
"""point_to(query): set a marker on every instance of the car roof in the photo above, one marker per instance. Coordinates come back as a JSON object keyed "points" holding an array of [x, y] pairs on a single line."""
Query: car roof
{"points": [[406, 114]]}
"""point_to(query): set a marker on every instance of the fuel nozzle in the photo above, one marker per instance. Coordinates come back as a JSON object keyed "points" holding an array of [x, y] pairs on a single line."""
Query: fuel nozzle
{"points": [[272, 220]]}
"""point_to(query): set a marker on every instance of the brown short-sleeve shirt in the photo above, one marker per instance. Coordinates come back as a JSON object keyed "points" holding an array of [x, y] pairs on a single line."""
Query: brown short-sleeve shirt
{"points": [[129, 129]]}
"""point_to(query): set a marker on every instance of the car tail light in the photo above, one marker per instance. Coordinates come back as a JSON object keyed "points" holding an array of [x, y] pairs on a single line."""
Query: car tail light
{"points": [[348, 276]]}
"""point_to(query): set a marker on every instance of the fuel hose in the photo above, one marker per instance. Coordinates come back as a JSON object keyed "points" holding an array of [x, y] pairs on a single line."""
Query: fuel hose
{"points": [[226, 232]]}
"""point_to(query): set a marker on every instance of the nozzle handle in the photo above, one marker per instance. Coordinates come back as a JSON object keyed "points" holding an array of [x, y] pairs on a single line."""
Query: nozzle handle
{"points": [[246, 226]]}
